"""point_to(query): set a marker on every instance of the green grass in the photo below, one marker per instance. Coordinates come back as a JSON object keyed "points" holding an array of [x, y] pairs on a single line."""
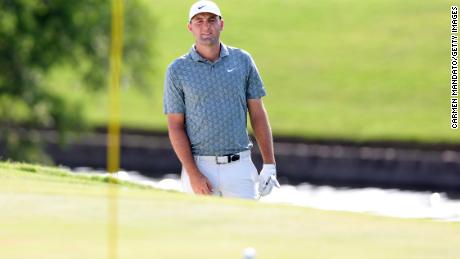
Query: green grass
{"points": [[48, 213], [360, 70]]}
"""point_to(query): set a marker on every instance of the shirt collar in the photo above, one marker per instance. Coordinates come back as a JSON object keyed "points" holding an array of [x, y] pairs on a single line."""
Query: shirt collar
{"points": [[197, 57]]}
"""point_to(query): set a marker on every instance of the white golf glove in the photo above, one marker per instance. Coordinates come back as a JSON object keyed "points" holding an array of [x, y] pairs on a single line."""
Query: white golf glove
{"points": [[267, 179]]}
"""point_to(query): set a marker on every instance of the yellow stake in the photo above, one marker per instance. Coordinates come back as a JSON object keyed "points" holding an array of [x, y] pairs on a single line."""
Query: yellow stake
{"points": [[113, 137]]}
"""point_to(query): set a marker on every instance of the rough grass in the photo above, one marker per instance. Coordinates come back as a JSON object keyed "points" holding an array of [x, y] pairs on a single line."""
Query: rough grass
{"points": [[49, 213]]}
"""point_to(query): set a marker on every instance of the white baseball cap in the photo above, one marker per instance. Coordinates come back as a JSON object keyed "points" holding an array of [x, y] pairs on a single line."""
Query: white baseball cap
{"points": [[203, 6]]}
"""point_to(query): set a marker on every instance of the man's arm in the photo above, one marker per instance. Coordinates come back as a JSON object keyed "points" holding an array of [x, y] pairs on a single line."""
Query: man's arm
{"points": [[262, 131], [181, 145]]}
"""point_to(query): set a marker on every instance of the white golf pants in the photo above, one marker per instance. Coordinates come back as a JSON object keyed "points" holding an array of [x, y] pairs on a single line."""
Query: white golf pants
{"points": [[236, 179]]}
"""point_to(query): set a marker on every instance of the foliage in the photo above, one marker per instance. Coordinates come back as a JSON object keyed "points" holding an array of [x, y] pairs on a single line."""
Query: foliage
{"points": [[37, 36]]}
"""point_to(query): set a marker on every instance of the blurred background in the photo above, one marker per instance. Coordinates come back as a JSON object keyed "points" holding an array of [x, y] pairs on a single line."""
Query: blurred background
{"points": [[358, 91]]}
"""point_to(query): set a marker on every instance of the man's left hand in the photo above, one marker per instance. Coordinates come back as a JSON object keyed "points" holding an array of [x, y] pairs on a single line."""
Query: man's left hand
{"points": [[267, 179]]}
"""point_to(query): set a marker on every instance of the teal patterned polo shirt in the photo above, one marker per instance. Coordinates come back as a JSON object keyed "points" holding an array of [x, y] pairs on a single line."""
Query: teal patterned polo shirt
{"points": [[213, 97]]}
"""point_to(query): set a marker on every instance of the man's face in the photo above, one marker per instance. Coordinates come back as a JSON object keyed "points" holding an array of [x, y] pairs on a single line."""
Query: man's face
{"points": [[206, 28]]}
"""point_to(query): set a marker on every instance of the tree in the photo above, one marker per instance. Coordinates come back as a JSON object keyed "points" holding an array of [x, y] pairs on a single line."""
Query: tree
{"points": [[37, 36]]}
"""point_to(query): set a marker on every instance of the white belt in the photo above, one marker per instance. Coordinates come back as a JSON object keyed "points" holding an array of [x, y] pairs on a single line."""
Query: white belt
{"points": [[225, 159]]}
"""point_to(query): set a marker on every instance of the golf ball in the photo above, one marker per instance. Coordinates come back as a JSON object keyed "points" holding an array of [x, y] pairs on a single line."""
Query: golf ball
{"points": [[249, 253]]}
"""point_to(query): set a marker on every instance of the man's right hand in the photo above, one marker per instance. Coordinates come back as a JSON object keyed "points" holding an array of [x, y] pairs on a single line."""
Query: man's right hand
{"points": [[200, 184]]}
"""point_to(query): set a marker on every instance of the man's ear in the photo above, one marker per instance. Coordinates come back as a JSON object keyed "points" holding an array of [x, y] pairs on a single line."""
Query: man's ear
{"points": [[221, 24], [189, 26]]}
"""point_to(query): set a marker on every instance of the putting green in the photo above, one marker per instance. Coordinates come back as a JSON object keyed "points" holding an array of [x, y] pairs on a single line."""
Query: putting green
{"points": [[48, 213]]}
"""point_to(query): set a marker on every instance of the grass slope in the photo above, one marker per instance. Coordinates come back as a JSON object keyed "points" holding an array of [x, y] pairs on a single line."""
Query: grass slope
{"points": [[333, 69], [48, 213]]}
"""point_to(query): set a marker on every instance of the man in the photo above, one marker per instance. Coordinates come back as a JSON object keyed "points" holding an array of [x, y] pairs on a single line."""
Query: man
{"points": [[207, 95]]}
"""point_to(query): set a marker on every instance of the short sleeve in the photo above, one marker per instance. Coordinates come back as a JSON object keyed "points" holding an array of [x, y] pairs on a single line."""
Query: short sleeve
{"points": [[255, 88], [173, 97]]}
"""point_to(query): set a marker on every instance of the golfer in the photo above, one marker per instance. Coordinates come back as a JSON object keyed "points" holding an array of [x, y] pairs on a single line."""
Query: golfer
{"points": [[207, 95]]}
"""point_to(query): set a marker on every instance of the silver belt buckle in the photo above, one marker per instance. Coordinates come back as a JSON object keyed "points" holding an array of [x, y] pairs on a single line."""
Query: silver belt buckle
{"points": [[223, 158]]}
